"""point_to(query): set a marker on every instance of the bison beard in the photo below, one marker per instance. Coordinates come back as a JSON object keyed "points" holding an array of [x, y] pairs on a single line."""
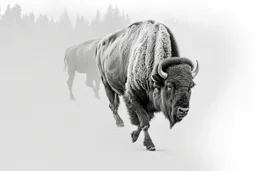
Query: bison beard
{"points": [[142, 64]]}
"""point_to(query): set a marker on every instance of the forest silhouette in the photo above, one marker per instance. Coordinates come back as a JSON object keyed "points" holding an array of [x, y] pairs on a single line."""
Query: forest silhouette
{"points": [[26, 37], [30, 42]]}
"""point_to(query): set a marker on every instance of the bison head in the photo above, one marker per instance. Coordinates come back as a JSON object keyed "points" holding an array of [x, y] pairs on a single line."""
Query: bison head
{"points": [[173, 80]]}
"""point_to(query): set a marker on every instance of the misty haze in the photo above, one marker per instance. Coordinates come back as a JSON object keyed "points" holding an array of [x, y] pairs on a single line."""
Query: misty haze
{"points": [[45, 126]]}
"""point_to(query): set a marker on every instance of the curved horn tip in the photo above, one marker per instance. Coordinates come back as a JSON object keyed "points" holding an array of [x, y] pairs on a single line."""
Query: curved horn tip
{"points": [[161, 72], [195, 72], [197, 65]]}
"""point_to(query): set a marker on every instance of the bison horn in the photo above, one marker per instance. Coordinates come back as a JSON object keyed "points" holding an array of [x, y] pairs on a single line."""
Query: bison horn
{"points": [[195, 72], [161, 72]]}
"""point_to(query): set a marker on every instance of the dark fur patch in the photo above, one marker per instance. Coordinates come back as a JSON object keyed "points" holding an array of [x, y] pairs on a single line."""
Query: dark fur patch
{"points": [[112, 38]]}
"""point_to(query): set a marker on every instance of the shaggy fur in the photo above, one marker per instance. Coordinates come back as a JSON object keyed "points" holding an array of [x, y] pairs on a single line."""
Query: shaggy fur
{"points": [[128, 60]]}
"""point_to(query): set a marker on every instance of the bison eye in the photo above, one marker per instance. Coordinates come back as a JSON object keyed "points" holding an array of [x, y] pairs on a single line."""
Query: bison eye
{"points": [[169, 87]]}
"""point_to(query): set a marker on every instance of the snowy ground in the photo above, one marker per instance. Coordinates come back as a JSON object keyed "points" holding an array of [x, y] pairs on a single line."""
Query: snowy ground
{"points": [[41, 129]]}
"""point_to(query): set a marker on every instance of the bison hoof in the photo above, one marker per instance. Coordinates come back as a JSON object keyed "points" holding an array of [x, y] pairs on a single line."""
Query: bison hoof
{"points": [[119, 121], [151, 148], [149, 145], [72, 98], [134, 136], [121, 124]]}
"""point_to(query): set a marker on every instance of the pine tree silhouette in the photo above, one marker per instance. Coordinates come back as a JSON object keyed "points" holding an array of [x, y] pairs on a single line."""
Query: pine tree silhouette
{"points": [[43, 36]]}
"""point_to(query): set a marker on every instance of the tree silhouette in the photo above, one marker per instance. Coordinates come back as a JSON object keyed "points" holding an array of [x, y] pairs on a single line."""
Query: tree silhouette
{"points": [[96, 26], [116, 17], [65, 30], [127, 20], [0, 13], [107, 22], [81, 29], [28, 20], [7, 17], [42, 21], [65, 22], [1, 24], [44, 37], [16, 12]]}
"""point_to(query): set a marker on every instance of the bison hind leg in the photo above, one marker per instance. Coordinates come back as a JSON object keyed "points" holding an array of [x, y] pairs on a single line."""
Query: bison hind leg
{"points": [[114, 104], [96, 89], [71, 76]]}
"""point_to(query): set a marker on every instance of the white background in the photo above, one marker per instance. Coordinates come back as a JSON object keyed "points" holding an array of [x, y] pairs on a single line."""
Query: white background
{"points": [[40, 129]]}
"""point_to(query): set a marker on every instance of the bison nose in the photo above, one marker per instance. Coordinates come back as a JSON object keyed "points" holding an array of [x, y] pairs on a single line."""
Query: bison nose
{"points": [[182, 112]]}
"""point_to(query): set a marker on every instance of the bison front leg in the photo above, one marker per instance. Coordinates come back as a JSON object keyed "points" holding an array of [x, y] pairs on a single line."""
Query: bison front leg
{"points": [[135, 134], [139, 117], [148, 141]]}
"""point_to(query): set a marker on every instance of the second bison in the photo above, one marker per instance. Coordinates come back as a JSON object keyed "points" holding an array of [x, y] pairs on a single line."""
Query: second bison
{"points": [[81, 58]]}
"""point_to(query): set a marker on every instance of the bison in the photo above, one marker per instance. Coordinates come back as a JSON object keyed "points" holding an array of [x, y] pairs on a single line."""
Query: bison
{"points": [[141, 63], [81, 58]]}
